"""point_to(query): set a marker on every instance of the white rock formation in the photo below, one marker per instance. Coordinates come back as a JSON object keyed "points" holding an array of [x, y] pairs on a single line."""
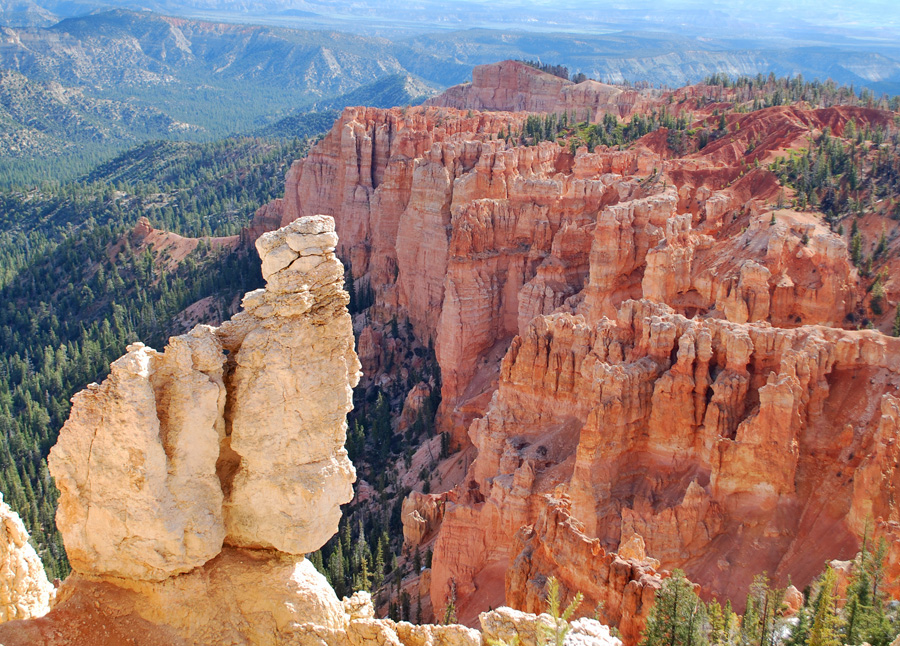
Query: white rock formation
{"points": [[135, 463], [292, 388], [510, 626], [25, 591]]}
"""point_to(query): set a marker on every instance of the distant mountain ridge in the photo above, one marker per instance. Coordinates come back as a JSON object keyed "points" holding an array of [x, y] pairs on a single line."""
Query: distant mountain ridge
{"points": [[177, 77], [667, 59], [387, 92], [25, 13], [395, 90], [140, 49]]}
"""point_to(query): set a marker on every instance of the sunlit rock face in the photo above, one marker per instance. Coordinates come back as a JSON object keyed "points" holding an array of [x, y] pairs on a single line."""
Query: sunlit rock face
{"points": [[25, 591], [638, 340], [192, 481]]}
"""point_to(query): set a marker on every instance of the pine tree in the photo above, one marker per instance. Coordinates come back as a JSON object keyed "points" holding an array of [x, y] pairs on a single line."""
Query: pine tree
{"points": [[336, 572], [826, 623], [723, 624], [404, 606], [758, 626], [378, 575], [556, 636], [450, 605], [865, 615], [855, 244], [877, 296], [316, 559], [363, 580], [799, 635], [677, 616]]}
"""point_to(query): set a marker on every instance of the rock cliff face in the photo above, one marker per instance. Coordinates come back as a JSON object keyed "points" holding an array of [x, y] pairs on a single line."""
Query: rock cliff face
{"points": [[641, 348], [25, 591], [515, 86], [469, 237], [686, 432]]}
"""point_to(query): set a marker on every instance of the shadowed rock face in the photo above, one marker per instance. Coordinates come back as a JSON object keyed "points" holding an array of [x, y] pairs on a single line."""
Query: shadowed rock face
{"points": [[642, 338]]}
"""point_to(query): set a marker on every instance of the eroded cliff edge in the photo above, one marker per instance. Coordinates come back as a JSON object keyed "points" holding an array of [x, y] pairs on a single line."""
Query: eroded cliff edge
{"points": [[643, 348]]}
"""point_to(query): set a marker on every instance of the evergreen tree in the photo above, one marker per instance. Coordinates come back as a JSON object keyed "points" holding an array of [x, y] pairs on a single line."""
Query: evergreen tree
{"points": [[855, 244], [362, 580], [316, 559], [336, 572], [723, 624], [378, 574], [799, 635], [865, 614], [826, 623], [758, 626], [677, 616]]}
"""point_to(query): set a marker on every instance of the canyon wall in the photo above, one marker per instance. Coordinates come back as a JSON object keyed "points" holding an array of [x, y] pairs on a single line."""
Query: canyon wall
{"points": [[642, 349]]}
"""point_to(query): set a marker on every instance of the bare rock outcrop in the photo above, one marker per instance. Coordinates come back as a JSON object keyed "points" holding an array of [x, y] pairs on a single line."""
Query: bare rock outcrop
{"points": [[421, 516], [258, 597], [194, 480], [294, 367], [469, 237], [25, 591], [270, 471], [509, 626], [168, 519], [515, 86]]}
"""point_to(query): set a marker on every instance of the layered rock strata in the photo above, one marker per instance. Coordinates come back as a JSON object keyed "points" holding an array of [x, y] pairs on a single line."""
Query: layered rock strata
{"points": [[687, 433], [628, 333], [469, 237], [516, 86]]}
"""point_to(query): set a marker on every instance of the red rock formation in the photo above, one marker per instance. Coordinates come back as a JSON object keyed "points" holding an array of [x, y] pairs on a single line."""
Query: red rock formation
{"points": [[422, 515], [622, 589], [513, 85], [642, 334], [746, 429]]}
